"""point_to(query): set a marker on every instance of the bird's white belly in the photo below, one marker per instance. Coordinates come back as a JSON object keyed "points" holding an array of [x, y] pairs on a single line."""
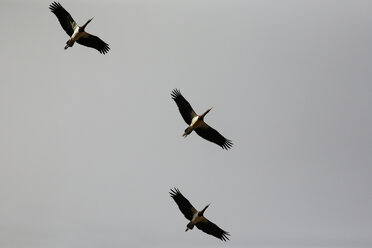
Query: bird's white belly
{"points": [[196, 218], [195, 122], [77, 35]]}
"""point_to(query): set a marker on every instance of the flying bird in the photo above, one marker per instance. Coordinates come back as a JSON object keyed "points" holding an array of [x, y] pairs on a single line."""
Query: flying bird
{"points": [[77, 33], [197, 217], [196, 122]]}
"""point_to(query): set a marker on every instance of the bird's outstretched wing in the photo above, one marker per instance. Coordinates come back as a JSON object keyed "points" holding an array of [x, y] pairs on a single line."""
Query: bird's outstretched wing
{"points": [[184, 205], [184, 106], [208, 133], [93, 41], [209, 227], [64, 18]]}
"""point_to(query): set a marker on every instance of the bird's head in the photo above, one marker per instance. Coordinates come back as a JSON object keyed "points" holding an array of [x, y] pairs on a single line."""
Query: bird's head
{"points": [[205, 208], [205, 113], [84, 26]]}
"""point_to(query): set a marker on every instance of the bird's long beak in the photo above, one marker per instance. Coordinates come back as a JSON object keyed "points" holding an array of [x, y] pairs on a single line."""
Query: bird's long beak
{"points": [[184, 135], [84, 26], [90, 20], [205, 208], [206, 112], [186, 229]]}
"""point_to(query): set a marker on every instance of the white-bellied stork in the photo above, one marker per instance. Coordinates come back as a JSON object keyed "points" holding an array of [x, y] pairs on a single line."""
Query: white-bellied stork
{"points": [[197, 217], [76, 33], [196, 122]]}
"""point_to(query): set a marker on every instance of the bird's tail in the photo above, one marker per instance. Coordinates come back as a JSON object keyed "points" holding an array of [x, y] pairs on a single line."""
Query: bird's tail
{"points": [[69, 43], [189, 226], [187, 132]]}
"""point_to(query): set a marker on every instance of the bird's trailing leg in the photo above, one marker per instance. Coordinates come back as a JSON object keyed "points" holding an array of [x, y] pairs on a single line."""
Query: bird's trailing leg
{"points": [[190, 226], [69, 43], [187, 132]]}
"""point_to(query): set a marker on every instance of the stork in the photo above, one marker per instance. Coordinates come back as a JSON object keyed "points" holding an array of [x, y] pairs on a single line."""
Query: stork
{"points": [[196, 122], [76, 33], [197, 217]]}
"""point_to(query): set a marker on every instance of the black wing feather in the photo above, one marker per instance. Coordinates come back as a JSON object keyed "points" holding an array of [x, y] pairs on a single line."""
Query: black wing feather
{"points": [[212, 135], [94, 42], [184, 205], [64, 18], [212, 229], [184, 106]]}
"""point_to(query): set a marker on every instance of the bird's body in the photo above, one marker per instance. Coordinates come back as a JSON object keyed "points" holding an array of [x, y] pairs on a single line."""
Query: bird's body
{"points": [[197, 218], [196, 122], [77, 33]]}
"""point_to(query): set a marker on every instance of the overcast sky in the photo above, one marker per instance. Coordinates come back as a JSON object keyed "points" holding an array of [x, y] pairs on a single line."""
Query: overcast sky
{"points": [[91, 144]]}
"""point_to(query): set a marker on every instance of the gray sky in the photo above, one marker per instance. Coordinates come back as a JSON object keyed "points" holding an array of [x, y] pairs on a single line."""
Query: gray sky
{"points": [[90, 144]]}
